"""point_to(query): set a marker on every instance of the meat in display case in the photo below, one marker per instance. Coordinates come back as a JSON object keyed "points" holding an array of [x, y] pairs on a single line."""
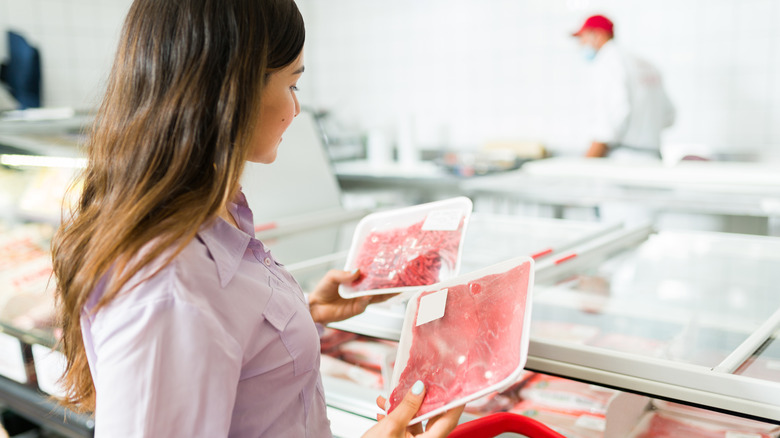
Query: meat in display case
{"points": [[29, 367]]}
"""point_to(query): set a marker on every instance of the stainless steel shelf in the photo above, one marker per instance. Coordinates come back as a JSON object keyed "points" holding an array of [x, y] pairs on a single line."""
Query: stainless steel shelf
{"points": [[39, 408]]}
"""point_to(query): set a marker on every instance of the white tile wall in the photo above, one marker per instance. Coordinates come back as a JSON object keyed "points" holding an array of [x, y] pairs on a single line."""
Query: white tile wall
{"points": [[475, 70], [77, 39], [467, 71]]}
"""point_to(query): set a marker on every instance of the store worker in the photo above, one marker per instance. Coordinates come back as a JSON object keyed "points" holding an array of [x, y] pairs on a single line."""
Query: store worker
{"points": [[627, 104], [177, 321]]}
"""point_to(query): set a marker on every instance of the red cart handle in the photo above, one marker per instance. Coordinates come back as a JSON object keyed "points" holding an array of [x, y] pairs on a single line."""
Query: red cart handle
{"points": [[493, 425]]}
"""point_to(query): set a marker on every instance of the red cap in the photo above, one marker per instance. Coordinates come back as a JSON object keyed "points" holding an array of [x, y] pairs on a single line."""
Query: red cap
{"points": [[597, 22]]}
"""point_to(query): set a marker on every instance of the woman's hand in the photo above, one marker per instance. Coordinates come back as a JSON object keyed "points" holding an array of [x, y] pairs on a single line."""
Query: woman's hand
{"points": [[396, 424], [326, 305]]}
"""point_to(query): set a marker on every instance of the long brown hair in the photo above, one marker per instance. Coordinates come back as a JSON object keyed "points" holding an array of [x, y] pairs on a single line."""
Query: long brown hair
{"points": [[167, 148]]}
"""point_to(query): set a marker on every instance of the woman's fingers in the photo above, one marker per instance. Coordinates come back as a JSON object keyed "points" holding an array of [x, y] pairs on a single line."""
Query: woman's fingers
{"points": [[443, 424], [380, 402], [407, 409]]}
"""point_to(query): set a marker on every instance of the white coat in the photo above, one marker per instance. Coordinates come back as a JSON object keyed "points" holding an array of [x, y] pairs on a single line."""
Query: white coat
{"points": [[629, 106]]}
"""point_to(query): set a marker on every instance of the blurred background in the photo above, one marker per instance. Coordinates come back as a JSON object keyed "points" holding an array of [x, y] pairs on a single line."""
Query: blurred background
{"points": [[459, 73]]}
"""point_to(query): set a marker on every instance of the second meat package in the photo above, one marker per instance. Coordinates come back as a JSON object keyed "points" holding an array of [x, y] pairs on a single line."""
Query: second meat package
{"points": [[465, 337]]}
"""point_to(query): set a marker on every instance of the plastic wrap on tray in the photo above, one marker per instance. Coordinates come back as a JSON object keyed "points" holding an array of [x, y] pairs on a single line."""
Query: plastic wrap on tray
{"points": [[666, 424], [466, 337], [567, 396], [413, 246], [708, 422]]}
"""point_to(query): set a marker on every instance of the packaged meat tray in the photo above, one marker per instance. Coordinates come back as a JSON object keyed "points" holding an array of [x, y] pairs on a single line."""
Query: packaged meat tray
{"points": [[465, 337], [663, 424], [337, 368], [371, 354], [401, 249], [567, 396], [568, 424], [716, 420]]}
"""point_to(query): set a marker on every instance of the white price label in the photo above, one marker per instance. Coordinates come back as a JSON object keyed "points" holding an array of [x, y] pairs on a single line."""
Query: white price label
{"points": [[49, 367], [11, 359], [442, 220], [431, 307]]}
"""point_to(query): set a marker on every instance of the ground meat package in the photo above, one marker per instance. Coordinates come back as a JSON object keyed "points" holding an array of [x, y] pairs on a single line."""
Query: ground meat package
{"points": [[401, 249], [465, 337]]}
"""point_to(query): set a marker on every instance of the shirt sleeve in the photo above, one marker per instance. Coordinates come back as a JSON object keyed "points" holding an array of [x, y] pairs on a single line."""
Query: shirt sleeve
{"points": [[163, 368], [669, 111]]}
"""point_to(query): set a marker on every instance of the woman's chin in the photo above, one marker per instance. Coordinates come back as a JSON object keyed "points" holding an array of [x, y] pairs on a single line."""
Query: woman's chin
{"points": [[267, 158]]}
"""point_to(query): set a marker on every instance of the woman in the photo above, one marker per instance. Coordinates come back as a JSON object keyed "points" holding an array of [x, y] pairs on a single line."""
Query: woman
{"points": [[176, 321]]}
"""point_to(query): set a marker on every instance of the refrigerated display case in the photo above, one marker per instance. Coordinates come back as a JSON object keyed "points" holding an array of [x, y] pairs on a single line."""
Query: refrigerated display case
{"points": [[26, 331], [690, 317], [308, 253], [683, 316], [674, 316]]}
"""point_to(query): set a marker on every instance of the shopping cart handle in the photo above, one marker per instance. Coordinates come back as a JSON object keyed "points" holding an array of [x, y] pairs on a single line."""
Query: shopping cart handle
{"points": [[493, 425]]}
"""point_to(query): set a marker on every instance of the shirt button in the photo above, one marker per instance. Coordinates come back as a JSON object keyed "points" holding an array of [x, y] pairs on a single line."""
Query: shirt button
{"points": [[267, 261]]}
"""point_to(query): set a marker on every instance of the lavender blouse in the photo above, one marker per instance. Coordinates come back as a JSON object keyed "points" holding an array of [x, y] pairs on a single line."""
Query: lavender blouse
{"points": [[219, 343]]}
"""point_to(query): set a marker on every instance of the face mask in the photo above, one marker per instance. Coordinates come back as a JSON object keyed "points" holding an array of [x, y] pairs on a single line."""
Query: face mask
{"points": [[588, 52]]}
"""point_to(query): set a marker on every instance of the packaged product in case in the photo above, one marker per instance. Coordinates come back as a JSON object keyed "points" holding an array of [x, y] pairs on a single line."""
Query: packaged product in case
{"points": [[666, 424], [499, 401], [337, 368], [567, 396], [401, 249], [331, 338], [674, 419], [568, 424], [465, 337], [371, 354]]}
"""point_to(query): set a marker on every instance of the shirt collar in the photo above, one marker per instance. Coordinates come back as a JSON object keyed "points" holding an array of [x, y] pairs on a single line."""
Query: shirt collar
{"points": [[226, 243]]}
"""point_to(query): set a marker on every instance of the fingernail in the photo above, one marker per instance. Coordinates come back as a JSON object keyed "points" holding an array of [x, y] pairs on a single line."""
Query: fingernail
{"points": [[418, 387], [355, 271]]}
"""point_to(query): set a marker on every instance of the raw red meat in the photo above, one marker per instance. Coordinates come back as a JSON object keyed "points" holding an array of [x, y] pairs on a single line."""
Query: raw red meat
{"points": [[405, 257], [477, 343]]}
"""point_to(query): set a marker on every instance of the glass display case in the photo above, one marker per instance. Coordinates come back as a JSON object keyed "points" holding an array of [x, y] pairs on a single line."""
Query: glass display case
{"points": [[680, 315], [29, 367], [690, 317]]}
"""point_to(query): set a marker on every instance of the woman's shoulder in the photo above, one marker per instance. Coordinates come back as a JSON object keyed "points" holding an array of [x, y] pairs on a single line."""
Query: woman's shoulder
{"points": [[166, 275]]}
